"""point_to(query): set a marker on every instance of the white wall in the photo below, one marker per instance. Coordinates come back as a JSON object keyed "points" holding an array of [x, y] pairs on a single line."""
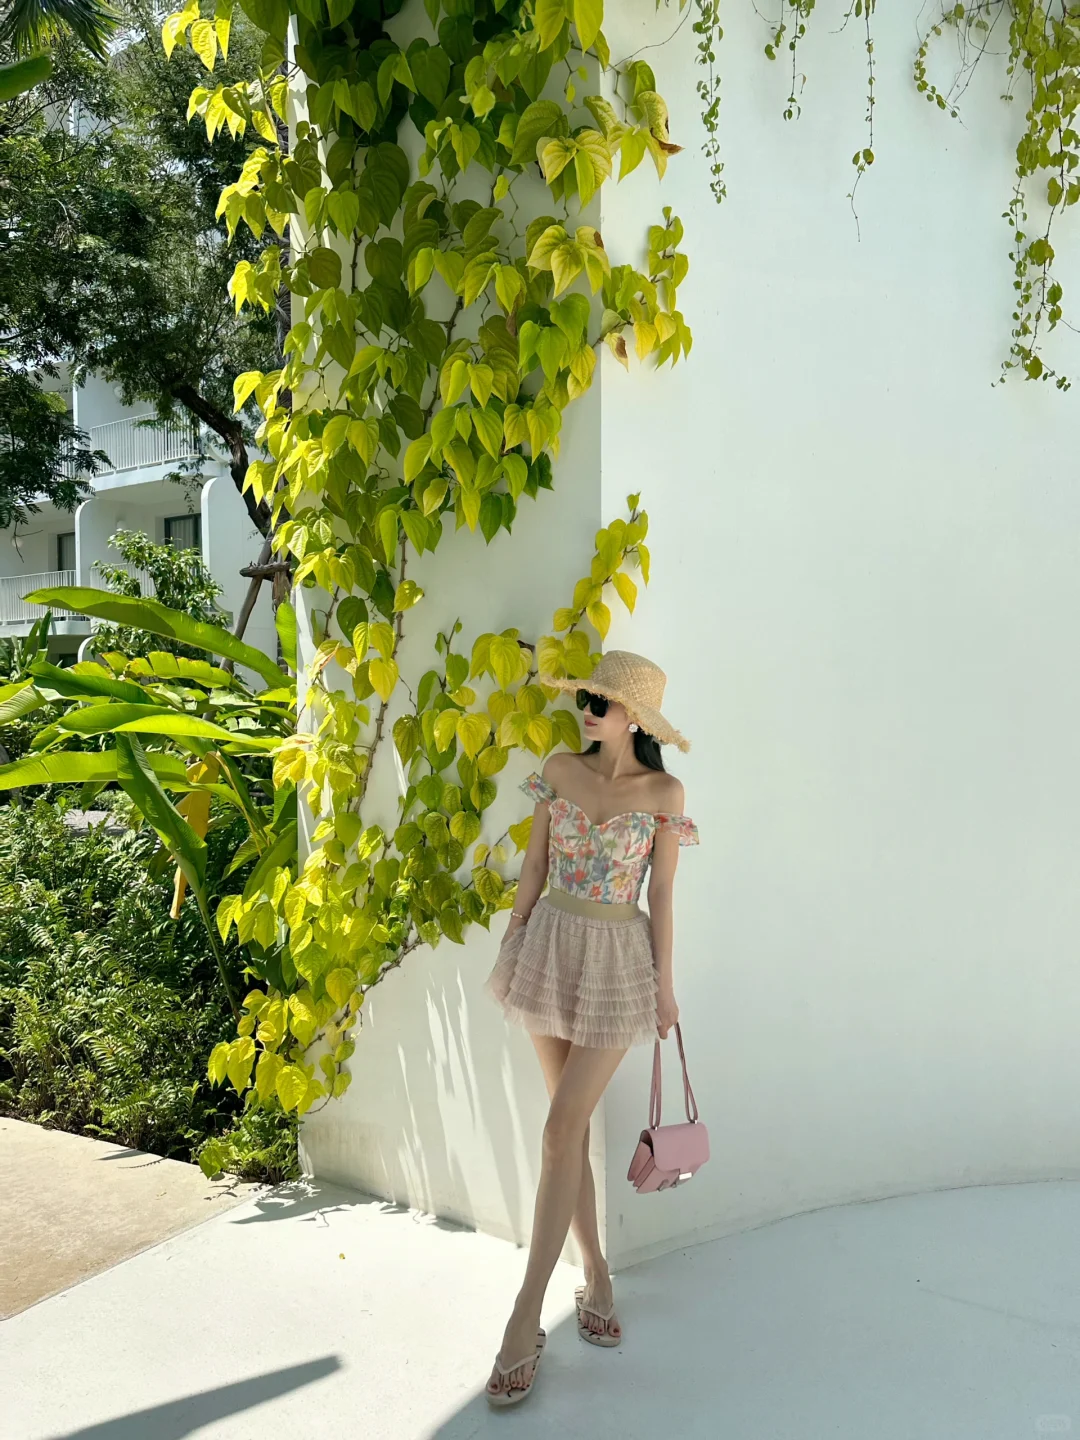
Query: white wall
{"points": [[230, 541], [865, 593], [864, 585], [97, 402]]}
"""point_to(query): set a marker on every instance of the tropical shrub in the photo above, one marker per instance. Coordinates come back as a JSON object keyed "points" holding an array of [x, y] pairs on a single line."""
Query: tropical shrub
{"points": [[107, 1006], [169, 724]]}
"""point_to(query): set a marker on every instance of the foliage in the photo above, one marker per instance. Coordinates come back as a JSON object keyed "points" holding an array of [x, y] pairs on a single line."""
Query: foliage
{"points": [[1043, 60], [17, 656], [260, 1145], [181, 581], [33, 24], [175, 725], [114, 260], [438, 339], [43, 459], [107, 1007]]}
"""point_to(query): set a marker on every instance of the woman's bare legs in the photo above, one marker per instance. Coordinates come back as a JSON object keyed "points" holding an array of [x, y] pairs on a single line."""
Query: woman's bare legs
{"points": [[582, 1080], [552, 1053]]}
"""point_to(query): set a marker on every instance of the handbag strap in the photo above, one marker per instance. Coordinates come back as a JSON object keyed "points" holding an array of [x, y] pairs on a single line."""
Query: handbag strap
{"points": [[654, 1096]]}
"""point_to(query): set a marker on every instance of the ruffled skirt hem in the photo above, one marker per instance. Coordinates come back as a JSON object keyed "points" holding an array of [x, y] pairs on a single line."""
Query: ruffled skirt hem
{"points": [[580, 978]]}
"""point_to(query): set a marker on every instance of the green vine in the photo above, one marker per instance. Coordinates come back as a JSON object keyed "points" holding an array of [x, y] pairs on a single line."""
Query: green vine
{"points": [[1043, 53], [1044, 58], [437, 340]]}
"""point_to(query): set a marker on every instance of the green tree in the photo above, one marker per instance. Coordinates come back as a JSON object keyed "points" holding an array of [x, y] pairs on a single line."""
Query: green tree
{"points": [[113, 259], [181, 581]]}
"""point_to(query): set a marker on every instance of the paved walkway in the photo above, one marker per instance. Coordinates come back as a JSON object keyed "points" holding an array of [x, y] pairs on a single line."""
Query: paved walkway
{"points": [[312, 1310], [73, 1206]]}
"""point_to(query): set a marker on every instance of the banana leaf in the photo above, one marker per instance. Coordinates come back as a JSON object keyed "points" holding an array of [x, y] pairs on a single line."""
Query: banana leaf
{"points": [[76, 685], [135, 773], [22, 75], [75, 768], [158, 619]]}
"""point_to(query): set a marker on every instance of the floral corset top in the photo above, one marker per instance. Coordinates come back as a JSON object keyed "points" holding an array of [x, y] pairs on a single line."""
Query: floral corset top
{"points": [[605, 862]]}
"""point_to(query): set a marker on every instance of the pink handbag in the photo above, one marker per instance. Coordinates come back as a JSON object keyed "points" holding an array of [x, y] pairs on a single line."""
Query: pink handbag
{"points": [[668, 1155]]}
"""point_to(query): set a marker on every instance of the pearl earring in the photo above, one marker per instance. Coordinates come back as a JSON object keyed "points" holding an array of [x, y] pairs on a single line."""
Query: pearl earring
{"points": [[632, 727]]}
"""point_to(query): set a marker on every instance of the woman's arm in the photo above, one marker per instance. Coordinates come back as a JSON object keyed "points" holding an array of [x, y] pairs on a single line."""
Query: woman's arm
{"points": [[665, 857], [534, 868]]}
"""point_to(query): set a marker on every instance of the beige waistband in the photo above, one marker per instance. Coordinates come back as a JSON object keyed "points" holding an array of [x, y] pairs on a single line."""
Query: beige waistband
{"points": [[598, 909]]}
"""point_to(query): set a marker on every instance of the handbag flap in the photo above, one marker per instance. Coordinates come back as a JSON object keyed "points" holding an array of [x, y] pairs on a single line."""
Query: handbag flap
{"points": [[680, 1147]]}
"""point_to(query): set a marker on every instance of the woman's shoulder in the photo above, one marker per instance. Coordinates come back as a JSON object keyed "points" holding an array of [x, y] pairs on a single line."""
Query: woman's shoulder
{"points": [[669, 794], [561, 767]]}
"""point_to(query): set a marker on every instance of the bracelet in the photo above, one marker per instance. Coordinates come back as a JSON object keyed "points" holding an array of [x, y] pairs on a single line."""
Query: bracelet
{"points": [[519, 915]]}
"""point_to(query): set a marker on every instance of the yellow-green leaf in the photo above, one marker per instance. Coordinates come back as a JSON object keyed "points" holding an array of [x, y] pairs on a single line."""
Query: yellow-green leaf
{"points": [[504, 656], [588, 17], [600, 617], [416, 457], [291, 1086], [549, 18], [240, 1059], [472, 731], [465, 826], [219, 1058], [388, 532], [383, 675], [340, 984], [491, 760], [407, 594], [488, 884], [266, 1073], [381, 635], [445, 727], [626, 588], [470, 504]]}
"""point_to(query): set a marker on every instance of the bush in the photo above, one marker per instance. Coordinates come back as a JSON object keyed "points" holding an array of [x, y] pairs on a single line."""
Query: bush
{"points": [[108, 1009], [181, 581]]}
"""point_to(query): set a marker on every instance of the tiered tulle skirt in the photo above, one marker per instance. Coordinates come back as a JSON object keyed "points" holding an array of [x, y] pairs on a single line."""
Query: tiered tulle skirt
{"points": [[582, 978]]}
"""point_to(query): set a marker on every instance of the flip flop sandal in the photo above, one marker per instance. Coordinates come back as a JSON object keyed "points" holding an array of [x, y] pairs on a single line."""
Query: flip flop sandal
{"points": [[511, 1397], [608, 1341]]}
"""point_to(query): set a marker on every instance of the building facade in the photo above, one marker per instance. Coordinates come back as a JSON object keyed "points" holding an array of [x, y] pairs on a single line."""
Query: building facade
{"points": [[172, 483]]}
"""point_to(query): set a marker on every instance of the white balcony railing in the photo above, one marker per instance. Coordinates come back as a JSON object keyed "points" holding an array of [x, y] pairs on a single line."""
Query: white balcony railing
{"points": [[146, 583], [131, 445], [14, 611], [13, 608]]}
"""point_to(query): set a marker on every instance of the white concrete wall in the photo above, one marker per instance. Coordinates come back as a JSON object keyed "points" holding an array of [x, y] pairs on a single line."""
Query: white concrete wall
{"points": [[864, 585], [33, 549], [230, 541], [97, 402], [865, 593]]}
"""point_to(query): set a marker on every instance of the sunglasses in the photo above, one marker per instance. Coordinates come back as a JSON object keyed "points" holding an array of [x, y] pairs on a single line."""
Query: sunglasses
{"points": [[598, 704]]}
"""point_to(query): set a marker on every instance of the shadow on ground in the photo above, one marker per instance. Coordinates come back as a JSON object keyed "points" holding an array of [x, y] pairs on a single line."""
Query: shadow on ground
{"points": [[192, 1413]]}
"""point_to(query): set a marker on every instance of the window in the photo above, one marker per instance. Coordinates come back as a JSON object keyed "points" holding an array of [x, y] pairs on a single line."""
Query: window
{"points": [[184, 531], [65, 551]]}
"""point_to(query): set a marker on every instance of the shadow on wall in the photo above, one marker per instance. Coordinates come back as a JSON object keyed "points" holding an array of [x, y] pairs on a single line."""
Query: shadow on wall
{"points": [[447, 1102]]}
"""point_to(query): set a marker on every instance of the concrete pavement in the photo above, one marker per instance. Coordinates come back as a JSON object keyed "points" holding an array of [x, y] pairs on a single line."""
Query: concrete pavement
{"points": [[311, 1310]]}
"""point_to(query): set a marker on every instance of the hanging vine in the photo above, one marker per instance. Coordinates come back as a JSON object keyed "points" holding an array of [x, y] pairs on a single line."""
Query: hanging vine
{"points": [[1043, 66], [1042, 62], [440, 339]]}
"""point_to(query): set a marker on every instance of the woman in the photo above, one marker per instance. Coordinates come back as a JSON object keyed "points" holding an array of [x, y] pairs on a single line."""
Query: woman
{"points": [[585, 971]]}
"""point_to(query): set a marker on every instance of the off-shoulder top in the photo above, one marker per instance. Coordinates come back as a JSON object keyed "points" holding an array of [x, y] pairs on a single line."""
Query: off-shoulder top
{"points": [[605, 862]]}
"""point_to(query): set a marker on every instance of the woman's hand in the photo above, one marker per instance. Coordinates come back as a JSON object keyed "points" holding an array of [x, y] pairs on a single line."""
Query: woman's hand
{"points": [[515, 923], [667, 1012]]}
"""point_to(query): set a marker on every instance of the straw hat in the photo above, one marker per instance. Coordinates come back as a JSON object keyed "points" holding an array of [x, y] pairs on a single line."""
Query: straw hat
{"points": [[636, 683]]}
